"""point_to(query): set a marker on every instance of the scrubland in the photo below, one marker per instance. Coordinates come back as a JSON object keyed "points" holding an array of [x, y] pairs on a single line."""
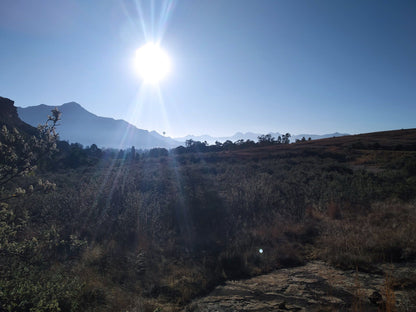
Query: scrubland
{"points": [[153, 232]]}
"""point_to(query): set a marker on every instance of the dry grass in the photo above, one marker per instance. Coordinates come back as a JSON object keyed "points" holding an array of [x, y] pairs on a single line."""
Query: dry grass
{"points": [[387, 233], [388, 294], [357, 304]]}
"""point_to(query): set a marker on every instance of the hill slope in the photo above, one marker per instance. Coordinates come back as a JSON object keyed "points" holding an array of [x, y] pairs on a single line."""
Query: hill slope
{"points": [[79, 125]]}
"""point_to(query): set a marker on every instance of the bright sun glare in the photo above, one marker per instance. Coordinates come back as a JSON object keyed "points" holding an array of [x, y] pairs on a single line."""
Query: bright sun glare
{"points": [[152, 63]]}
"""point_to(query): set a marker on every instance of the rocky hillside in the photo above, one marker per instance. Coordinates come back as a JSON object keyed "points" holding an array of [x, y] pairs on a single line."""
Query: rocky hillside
{"points": [[316, 286], [10, 118]]}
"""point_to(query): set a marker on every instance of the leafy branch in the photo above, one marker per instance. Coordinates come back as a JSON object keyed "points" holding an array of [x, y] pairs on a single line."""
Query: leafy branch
{"points": [[19, 154]]}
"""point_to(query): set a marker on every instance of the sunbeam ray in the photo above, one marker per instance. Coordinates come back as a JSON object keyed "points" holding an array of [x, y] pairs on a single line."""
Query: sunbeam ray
{"points": [[142, 19], [165, 12]]}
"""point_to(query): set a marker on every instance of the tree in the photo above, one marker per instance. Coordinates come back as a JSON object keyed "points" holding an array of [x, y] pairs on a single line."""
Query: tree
{"points": [[19, 154], [189, 143], [158, 152], [227, 145], [133, 153], [286, 138], [196, 146], [24, 285], [266, 139]]}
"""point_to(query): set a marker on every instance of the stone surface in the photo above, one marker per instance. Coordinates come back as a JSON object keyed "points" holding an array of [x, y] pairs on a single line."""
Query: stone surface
{"points": [[315, 286]]}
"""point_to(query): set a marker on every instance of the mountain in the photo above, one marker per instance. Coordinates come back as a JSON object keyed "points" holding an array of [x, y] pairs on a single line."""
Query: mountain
{"points": [[254, 137], [77, 125]]}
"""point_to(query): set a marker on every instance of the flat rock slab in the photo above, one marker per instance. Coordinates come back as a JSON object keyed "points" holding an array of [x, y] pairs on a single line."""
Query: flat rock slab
{"points": [[315, 286]]}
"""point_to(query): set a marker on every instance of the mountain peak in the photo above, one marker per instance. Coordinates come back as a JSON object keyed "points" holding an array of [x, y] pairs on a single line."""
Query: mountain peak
{"points": [[79, 125], [71, 104]]}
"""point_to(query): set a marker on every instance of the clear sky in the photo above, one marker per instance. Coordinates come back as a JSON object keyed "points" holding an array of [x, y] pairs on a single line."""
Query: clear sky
{"points": [[237, 65]]}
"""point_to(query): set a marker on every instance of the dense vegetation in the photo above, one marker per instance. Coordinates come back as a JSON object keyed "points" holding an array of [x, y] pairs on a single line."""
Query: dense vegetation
{"points": [[137, 231]]}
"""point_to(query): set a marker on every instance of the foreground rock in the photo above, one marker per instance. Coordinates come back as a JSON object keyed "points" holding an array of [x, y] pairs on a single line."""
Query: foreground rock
{"points": [[315, 287]]}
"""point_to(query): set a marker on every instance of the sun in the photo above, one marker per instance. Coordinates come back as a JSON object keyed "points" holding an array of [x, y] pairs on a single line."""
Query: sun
{"points": [[152, 63]]}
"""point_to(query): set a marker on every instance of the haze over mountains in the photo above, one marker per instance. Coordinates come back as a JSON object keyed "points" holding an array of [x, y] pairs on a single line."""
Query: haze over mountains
{"points": [[77, 125]]}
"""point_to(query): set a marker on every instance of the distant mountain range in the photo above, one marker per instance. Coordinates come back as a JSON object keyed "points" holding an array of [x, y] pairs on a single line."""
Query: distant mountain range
{"points": [[254, 137], [77, 125], [80, 126]]}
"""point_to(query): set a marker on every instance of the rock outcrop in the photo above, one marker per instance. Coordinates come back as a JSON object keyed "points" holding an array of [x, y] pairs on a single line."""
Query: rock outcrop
{"points": [[10, 118], [315, 286]]}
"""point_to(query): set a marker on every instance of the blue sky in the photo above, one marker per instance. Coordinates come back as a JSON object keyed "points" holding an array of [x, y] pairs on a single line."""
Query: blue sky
{"points": [[261, 66]]}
